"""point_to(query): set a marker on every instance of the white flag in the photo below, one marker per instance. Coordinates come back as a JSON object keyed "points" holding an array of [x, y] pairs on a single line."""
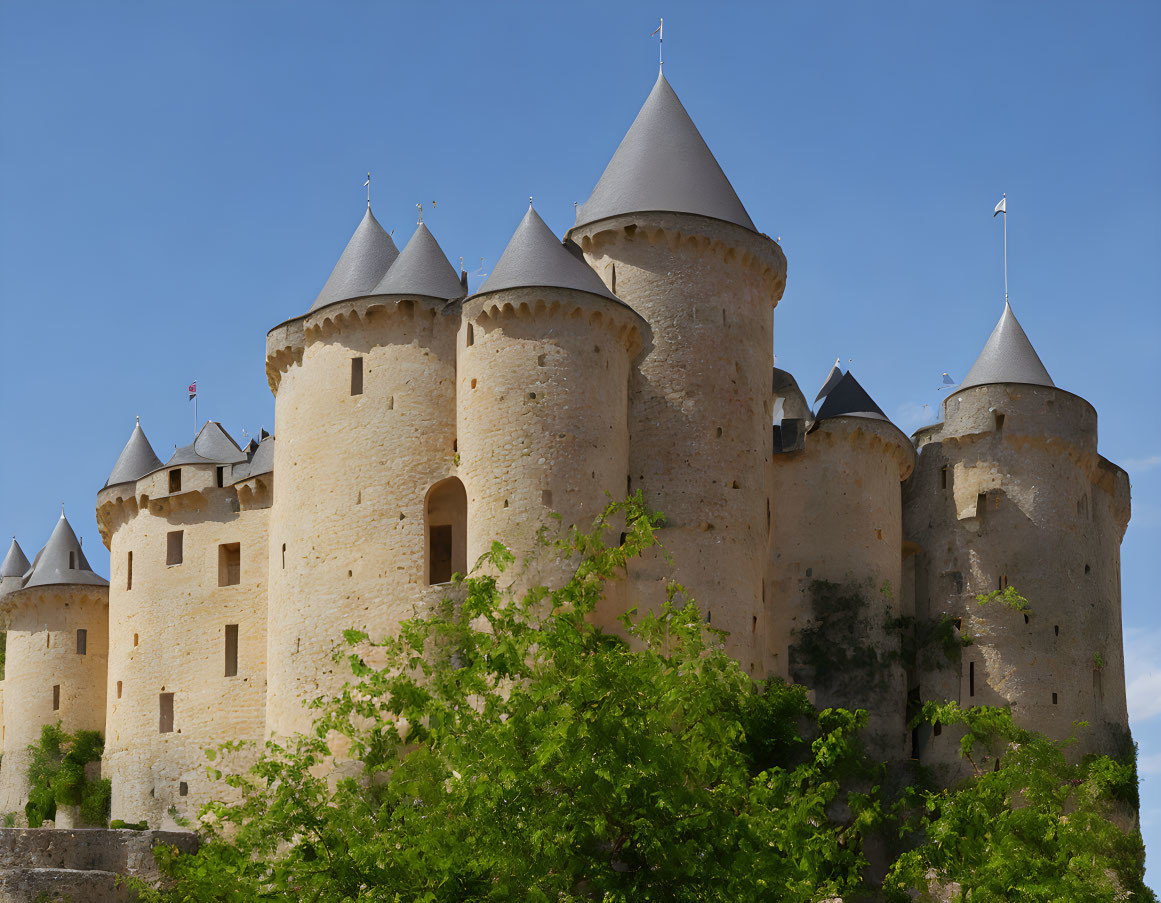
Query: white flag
{"points": [[1001, 207]]}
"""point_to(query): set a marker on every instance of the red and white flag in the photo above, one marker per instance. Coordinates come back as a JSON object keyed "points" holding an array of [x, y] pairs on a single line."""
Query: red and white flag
{"points": [[193, 390]]}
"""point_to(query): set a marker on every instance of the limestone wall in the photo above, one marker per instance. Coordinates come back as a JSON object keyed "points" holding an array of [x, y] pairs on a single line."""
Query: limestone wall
{"points": [[1010, 490], [42, 655], [169, 635], [353, 474], [543, 379], [699, 401], [837, 519]]}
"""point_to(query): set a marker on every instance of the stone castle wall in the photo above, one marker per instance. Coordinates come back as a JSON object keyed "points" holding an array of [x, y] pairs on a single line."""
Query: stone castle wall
{"points": [[47, 679], [699, 401], [170, 626], [347, 535], [1010, 490]]}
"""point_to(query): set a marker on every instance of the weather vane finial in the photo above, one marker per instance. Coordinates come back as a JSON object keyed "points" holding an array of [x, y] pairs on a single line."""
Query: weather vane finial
{"points": [[419, 207], [367, 185], [659, 31]]}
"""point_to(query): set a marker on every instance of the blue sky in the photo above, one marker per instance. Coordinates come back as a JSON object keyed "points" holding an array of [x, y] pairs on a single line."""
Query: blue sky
{"points": [[175, 179]]}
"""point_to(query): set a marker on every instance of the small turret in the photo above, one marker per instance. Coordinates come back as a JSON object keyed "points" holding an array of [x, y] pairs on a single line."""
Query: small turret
{"points": [[1010, 491], [62, 562], [13, 569], [366, 258], [543, 375], [137, 459], [421, 270]]}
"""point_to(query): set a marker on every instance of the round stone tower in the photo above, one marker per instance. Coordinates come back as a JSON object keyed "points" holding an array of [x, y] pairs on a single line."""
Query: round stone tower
{"points": [[543, 376], [188, 551], [835, 574], [365, 408], [57, 652], [668, 235], [1009, 491]]}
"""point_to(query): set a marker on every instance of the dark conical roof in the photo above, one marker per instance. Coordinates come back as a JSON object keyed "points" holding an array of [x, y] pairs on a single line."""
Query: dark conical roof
{"points": [[136, 460], [367, 256], [536, 257], [1008, 357], [421, 270], [848, 399], [663, 164], [212, 445], [62, 561], [15, 563], [832, 379]]}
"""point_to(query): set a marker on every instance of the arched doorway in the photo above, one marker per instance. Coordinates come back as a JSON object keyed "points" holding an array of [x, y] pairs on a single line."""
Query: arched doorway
{"points": [[445, 531]]}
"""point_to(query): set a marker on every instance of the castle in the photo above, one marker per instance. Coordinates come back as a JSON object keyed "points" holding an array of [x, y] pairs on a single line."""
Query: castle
{"points": [[416, 423]]}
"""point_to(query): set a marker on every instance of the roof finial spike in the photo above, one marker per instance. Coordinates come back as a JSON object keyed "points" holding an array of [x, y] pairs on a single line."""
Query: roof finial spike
{"points": [[419, 207], [529, 200], [139, 420], [659, 31], [367, 185]]}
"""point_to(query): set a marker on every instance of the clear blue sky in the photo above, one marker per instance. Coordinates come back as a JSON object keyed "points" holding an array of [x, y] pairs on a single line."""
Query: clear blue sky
{"points": [[175, 179]]}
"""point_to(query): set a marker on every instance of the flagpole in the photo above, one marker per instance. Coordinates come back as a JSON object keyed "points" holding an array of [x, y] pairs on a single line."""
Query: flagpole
{"points": [[1005, 247], [195, 408]]}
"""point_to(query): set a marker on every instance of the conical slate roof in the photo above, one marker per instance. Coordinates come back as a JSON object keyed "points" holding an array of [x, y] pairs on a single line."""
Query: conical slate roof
{"points": [[62, 561], [136, 460], [536, 257], [15, 563], [212, 445], [421, 270], [832, 379], [848, 399], [663, 164], [1008, 357], [367, 256], [260, 460]]}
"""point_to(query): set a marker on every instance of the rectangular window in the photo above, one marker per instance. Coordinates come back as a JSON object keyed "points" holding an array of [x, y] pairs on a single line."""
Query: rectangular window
{"points": [[82, 642], [129, 571], [175, 480], [546, 498], [118, 689], [229, 564], [231, 650], [943, 478], [284, 556], [165, 721], [72, 561], [471, 335], [981, 504], [356, 376], [971, 678], [441, 553], [1002, 582], [173, 547], [56, 698], [221, 477], [182, 788], [1054, 699], [999, 421]]}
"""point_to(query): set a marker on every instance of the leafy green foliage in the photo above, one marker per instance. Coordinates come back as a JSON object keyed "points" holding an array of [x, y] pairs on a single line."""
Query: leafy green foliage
{"points": [[1035, 827], [56, 776], [1006, 596], [501, 747]]}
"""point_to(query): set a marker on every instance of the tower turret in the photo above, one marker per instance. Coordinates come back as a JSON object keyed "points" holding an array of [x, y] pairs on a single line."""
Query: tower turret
{"points": [[56, 657], [1010, 491], [13, 568], [543, 375], [188, 555], [835, 572], [365, 411], [667, 233]]}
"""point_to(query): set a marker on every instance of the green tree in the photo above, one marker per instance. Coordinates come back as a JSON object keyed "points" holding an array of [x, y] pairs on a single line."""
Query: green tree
{"points": [[56, 776]]}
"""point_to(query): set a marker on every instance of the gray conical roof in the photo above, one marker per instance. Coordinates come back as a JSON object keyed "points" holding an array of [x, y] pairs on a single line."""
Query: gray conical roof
{"points": [[367, 256], [536, 257], [62, 561], [259, 460], [663, 164], [421, 270], [212, 445], [832, 379], [848, 399], [136, 460], [1008, 357], [15, 563]]}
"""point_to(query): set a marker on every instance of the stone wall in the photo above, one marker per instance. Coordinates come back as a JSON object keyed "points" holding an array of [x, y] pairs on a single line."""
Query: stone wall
{"points": [[835, 572], [699, 401], [169, 635], [347, 538], [543, 386], [1010, 490], [46, 679]]}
